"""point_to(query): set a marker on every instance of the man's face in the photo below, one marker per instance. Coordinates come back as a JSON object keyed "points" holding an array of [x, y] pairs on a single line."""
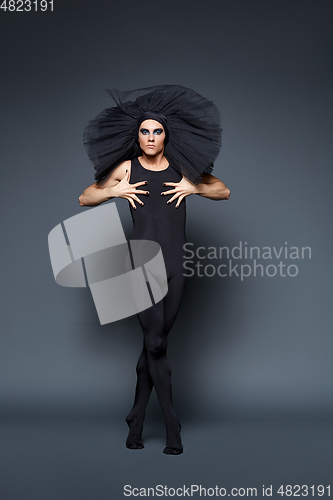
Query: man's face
{"points": [[151, 137]]}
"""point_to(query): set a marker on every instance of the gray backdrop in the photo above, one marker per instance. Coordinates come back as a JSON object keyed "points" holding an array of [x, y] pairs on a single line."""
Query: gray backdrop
{"points": [[252, 350]]}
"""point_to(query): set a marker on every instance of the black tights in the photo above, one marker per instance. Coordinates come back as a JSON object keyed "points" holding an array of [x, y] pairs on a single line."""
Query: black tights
{"points": [[153, 367]]}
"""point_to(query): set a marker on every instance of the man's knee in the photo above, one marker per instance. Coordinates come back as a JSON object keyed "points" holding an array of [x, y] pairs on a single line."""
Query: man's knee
{"points": [[156, 346]]}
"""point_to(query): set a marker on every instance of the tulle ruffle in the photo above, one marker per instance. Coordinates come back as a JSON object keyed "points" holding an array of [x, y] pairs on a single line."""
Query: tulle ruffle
{"points": [[193, 122]]}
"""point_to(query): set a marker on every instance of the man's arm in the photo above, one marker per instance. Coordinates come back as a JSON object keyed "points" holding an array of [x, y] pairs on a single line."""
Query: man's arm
{"points": [[115, 185], [210, 187], [213, 188], [95, 195], [102, 191]]}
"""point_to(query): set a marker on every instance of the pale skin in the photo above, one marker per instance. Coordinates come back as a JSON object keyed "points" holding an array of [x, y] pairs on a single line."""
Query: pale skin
{"points": [[116, 185]]}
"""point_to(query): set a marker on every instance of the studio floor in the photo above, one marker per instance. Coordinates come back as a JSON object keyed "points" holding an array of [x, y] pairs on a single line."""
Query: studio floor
{"points": [[86, 459]]}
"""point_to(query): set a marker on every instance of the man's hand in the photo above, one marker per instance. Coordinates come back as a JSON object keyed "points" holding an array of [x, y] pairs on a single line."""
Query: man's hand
{"points": [[210, 187], [128, 191], [181, 189]]}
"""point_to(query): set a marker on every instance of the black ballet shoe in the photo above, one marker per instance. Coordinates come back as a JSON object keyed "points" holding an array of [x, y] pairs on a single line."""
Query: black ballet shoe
{"points": [[174, 445], [134, 440], [172, 451], [134, 445]]}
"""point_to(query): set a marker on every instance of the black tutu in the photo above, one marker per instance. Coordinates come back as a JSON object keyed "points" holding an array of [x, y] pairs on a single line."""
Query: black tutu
{"points": [[194, 130]]}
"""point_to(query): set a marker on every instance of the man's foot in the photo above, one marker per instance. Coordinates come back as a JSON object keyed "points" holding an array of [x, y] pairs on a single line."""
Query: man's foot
{"points": [[174, 443], [172, 451], [134, 439]]}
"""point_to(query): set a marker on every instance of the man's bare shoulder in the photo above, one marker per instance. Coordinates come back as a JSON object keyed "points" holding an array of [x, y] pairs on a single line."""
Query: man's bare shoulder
{"points": [[115, 176]]}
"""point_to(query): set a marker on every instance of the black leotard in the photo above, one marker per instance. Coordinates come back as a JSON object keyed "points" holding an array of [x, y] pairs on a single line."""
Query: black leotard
{"points": [[161, 222], [156, 220]]}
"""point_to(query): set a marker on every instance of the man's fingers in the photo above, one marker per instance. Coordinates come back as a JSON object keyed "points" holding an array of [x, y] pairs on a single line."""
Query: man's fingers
{"points": [[141, 183], [173, 198], [170, 191], [131, 201], [134, 197], [138, 191], [179, 200]]}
